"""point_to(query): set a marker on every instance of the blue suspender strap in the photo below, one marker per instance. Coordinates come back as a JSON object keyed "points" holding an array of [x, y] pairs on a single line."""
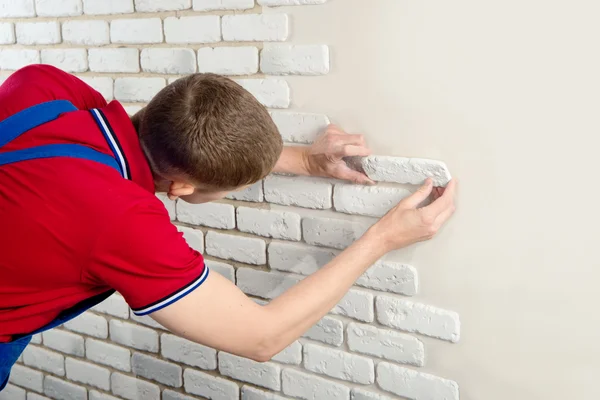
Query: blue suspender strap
{"points": [[58, 150], [17, 124]]}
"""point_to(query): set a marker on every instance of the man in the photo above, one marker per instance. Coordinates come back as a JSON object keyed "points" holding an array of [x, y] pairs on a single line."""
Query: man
{"points": [[80, 218]]}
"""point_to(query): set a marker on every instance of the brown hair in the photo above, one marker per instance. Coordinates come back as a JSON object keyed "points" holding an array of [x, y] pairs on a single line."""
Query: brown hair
{"points": [[211, 130]]}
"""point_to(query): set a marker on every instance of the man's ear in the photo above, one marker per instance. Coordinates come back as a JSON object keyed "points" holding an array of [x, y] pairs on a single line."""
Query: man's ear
{"points": [[178, 189]]}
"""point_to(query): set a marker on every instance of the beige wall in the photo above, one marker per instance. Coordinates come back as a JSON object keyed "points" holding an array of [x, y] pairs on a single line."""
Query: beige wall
{"points": [[507, 93]]}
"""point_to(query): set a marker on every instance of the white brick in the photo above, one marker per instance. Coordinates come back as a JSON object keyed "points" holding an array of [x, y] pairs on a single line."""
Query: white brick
{"points": [[193, 237], [103, 85], [391, 277], [14, 59], [268, 223], [61, 390], [114, 60], [298, 258], [210, 5], [420, 318], [339, 364], [16, 8], [373, 201], [146, 320], [251, 193], [29, 33], [187, 352], [7, 33], [215, 215], [157, 370], [356, 304], [90, 324], [103, 7], [360, 394], [65, 342], [12, 392], [86, 33], [228, 60], [209, 386], [309, 387], [144, 30], [45, 360], [69, 60], [168, 203], [328, 330], [294, 59], [221, 268], [132, 110], [386, 344], [108, 354], [242, 369], [255, 27], [237, 248], [290, 355], [162, 5], [272, 3], [169, 61], [264, 284], [27, 378], [36, 339], [35, 396], [138, 90], [200, 29], [415, 385], [132, 335], [133, 389], [272, 93], [58, 8], [250, 393], [95, 395], [88, 374], [298, 191], [115, 305], [336, 233], [406, 170], [169, 394], [300, 127]]}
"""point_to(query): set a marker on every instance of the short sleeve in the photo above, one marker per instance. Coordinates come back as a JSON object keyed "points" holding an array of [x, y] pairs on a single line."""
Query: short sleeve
{"points": [[142, 255]]}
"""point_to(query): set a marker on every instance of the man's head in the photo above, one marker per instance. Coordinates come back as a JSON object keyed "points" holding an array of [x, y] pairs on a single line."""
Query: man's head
{"points": [[205, 135]]}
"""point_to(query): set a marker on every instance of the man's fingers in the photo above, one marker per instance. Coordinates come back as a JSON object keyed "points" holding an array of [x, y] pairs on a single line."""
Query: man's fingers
{"points": [[353, 150], [420, 195], [346, 139], [354, 176], [445, 201]]}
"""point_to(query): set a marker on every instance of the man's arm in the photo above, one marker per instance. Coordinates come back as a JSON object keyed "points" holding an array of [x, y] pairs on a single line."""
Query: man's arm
{"points": [[325, 157], [219, 315]]}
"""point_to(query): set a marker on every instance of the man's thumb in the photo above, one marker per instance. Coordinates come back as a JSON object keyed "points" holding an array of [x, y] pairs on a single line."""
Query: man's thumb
{"points": [[420, 195]]}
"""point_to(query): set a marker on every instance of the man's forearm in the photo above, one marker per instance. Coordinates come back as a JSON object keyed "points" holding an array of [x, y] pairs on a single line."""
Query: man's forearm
{"points": [[299, 308], [292, 161]]}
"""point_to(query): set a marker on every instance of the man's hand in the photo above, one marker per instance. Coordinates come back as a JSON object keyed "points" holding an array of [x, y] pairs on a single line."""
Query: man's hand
{"points": [[325, 157], [406, 223]]}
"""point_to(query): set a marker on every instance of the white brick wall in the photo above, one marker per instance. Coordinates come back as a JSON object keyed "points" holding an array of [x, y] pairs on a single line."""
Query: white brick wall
{"points": [[298, 191], [86, 33], [413, 317], [214, 215], [273, 224], [168, 61], [30, 33], [285, 227], [201, 29], [237, 248], [58, 8], [228, 60]]}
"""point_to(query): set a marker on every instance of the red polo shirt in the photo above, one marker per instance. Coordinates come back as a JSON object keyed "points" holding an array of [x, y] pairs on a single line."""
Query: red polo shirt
{"points": [[70, 228]]}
